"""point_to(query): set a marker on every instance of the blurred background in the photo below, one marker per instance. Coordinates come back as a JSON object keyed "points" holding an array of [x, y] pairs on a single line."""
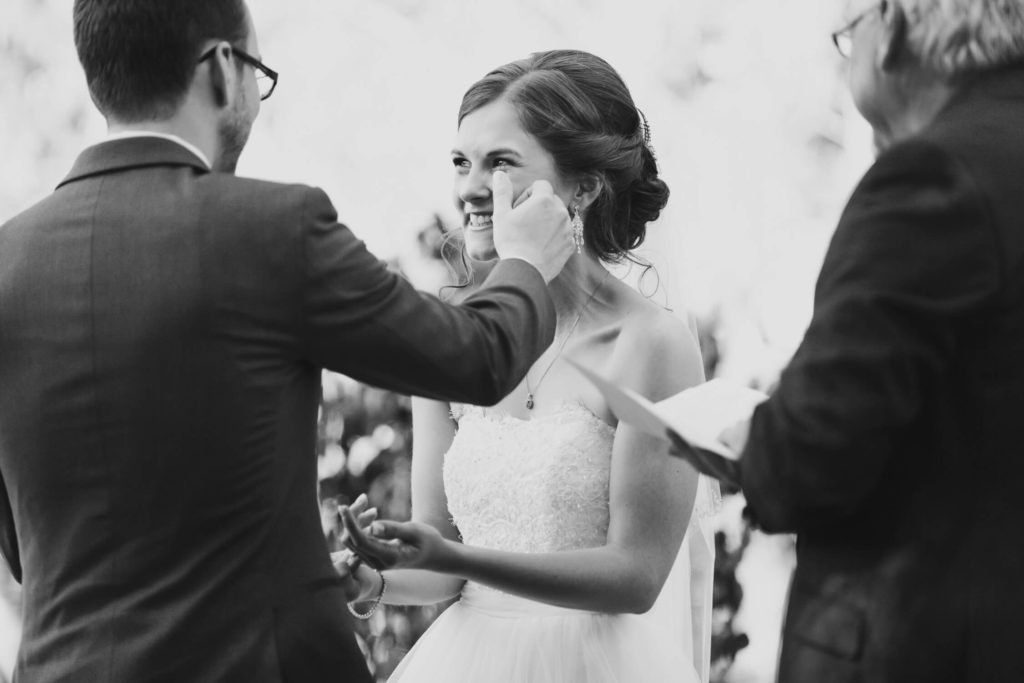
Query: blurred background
{"points": [[752, 125]]}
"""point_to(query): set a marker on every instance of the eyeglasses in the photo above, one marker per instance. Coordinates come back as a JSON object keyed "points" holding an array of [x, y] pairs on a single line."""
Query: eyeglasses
{"points": [[843, 38], [266, 78]]}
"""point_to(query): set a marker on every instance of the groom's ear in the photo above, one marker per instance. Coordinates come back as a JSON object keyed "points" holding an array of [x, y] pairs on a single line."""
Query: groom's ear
{"points": [[588, 189], [222, 75]]}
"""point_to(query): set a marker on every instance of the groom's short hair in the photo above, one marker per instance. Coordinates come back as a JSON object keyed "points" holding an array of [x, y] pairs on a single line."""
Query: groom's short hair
{"points": [[140, 56]]}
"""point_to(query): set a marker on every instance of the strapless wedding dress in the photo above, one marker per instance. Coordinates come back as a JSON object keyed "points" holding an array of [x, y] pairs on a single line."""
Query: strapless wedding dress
{"points": [[541, 486]]}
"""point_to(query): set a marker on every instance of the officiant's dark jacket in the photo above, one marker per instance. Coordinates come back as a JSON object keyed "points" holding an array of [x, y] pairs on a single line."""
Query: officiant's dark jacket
{"points": [[894, 444], [162, 335]]}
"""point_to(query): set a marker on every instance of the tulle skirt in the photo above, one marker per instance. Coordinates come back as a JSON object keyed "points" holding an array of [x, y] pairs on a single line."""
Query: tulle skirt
{"points": [[491, 637]]}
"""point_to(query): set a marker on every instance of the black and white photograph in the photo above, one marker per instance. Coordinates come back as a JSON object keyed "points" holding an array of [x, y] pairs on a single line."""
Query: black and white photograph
{"points": [[480, 341]]}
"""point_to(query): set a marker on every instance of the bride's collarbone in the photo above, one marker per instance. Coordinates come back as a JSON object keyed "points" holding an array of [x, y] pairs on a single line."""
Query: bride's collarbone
{"points": [[551, 408], [563, 390], [597, 345]]}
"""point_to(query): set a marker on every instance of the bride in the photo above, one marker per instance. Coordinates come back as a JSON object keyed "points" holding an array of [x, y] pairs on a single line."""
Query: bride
{"points": [[556, 526]]}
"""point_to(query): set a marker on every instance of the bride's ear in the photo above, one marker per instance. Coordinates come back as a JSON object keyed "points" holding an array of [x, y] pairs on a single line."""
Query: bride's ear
{"points": [[588, 189]]}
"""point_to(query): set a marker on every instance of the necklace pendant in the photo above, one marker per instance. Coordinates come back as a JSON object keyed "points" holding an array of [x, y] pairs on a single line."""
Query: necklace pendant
{"points": [[529, 402]]}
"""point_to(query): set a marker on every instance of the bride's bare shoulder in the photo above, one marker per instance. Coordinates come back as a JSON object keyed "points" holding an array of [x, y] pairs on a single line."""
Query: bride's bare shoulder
{"points": [[656, 351]]}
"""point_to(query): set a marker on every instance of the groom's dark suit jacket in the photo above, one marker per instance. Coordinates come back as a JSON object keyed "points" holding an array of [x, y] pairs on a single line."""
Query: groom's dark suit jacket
{"points": [[162, 335], [894, 444]]}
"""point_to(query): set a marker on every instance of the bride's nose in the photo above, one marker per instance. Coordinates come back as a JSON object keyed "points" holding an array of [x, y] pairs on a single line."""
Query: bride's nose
{"points": [[474, 187]]}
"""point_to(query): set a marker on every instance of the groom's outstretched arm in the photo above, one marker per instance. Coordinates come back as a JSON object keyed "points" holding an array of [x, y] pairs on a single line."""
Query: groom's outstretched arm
{"points": [[369, 323], [914, 256]]}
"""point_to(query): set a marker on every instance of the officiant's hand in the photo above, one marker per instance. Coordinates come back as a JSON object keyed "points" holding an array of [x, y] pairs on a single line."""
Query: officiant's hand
{"points": [[391, 545], [735, 437], [706, 462], [537, 230]]}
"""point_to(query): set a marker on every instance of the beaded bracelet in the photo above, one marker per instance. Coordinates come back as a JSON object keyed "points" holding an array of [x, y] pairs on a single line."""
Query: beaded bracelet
{"points": [[376, 602]]}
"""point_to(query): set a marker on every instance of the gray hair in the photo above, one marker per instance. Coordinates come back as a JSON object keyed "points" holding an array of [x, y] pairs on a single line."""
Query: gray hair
{"points": [[963, 37]]}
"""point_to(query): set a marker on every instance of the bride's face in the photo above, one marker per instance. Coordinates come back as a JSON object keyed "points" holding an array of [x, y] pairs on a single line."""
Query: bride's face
{"points": [[492, 139]]}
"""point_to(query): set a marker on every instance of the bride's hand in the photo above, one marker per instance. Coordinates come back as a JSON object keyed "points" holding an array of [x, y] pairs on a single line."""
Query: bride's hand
{"points": [[364, 515], [396, 545]]}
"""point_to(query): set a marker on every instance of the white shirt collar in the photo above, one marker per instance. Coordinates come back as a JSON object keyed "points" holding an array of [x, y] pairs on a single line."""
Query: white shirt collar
{"points": [[166, 136]]}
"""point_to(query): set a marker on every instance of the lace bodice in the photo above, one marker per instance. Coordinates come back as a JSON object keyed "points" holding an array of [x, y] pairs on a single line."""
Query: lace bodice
{"points": [[542, 485], [535, 485]]}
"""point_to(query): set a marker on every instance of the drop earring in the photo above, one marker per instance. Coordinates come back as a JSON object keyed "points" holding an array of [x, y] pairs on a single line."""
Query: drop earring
{"points": [[577, 229]]}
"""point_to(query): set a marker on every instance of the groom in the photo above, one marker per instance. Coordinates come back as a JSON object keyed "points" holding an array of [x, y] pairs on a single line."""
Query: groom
{"points": [[894, 444], [163, 326]]}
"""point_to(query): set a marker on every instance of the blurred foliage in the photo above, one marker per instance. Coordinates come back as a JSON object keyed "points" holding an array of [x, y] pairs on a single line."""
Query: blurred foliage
{"points": [[726, 642], [365, 445]]}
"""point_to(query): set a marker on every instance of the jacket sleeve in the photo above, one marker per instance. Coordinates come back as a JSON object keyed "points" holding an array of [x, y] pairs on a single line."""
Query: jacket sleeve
{"points": [[369, 323], [912, 260], [8, 535]]}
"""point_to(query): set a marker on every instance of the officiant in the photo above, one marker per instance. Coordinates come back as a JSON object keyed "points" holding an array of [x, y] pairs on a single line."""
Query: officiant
{"points": [[892, 445]]}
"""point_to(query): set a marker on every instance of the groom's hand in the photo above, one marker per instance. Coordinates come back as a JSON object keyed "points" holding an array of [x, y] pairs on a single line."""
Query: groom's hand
{"points": [[537, 229], [348, 565]]}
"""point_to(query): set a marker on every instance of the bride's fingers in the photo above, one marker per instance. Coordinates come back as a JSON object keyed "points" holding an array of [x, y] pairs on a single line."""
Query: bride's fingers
{"points": [[361, 551], [361, 534], [367, 517], [394, 531], [374, 552], [359, 505], [352, 534], [362, 517], [377, 555], [352, 528]]}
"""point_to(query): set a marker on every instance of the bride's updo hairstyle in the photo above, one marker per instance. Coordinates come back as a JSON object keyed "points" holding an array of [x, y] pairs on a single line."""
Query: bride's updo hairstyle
{"points": [[580, 110]]}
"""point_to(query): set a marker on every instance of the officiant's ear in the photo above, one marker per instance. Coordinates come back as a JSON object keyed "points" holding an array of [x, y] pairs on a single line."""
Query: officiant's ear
{"points": [[588, 189], [893, 42]]}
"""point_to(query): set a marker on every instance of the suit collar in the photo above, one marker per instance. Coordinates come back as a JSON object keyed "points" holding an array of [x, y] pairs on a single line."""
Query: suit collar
{"points": [[131, 153], [1003, 83]]}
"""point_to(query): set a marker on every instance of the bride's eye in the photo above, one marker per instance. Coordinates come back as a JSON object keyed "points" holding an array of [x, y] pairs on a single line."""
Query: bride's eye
{"points": [[501, 164], [460, 163]]}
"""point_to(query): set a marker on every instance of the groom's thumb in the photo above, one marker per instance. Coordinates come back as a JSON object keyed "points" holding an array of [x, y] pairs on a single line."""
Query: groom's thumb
{"points": [[501, 190]]}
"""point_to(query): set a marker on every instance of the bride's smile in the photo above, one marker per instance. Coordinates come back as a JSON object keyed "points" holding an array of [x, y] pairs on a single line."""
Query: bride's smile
{"points": [[479, 221]]}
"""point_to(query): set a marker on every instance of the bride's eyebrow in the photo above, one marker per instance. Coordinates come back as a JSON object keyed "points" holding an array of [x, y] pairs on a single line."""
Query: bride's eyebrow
{"points": [[501, 152], [504, 152]]}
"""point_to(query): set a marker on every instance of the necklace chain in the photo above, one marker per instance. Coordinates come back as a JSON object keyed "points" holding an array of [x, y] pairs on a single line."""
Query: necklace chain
{"points": [[565, 340]]}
